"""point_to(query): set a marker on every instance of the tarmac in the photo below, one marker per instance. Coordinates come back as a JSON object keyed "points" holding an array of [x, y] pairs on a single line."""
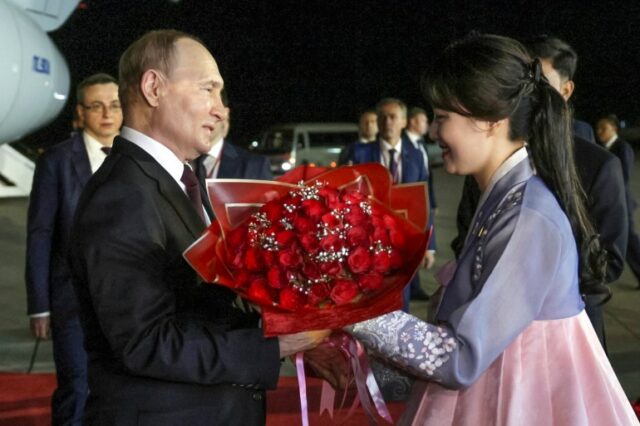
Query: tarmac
{"points": [[622, 313]]}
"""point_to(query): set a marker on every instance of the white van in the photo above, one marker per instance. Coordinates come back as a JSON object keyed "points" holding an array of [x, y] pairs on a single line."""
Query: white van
{"points": [[293, 144]]}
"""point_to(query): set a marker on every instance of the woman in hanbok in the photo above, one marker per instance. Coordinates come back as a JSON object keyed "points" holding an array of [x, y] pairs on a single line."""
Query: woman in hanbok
{"points": [[511, 343]]}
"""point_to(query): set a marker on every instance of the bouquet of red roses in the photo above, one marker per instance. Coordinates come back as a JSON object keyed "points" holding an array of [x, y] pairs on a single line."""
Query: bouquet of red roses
{"points": [[317, 248]]}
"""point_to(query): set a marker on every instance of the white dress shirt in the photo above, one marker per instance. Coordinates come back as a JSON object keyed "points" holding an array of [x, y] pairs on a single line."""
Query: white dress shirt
{"points": [[94, 151]]}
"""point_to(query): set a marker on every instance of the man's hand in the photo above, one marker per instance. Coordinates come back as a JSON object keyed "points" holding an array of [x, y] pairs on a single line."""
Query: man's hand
{"points": [[429, 259], [330, 364], [294, 343], [40, 327]]}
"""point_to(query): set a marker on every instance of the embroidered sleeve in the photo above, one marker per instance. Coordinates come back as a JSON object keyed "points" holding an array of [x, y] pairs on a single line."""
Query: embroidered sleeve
{"points": [[408, 342]]}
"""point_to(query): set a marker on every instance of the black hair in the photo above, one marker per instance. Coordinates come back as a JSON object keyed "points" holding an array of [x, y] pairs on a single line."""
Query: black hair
{"points": [[562, 56], [491, 78], [612, 119], [92, 80], [413, 111]]}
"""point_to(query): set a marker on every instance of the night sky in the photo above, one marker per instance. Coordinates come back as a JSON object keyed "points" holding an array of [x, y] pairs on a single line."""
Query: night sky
{"points": [[326, 60]]}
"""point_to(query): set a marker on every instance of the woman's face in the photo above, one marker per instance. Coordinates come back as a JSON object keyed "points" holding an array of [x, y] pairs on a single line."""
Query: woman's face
{"points": [[464, 142]]}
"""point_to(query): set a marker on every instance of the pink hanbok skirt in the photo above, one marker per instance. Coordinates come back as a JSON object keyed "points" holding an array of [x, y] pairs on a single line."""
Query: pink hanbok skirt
{"points": [[554, 373]]}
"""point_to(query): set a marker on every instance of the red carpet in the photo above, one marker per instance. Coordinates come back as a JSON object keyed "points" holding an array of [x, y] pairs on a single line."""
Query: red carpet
{"points": [[25, 399]]}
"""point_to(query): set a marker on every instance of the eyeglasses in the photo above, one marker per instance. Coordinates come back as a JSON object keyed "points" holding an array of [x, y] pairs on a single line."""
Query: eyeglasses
{"points": [[99, 107]]}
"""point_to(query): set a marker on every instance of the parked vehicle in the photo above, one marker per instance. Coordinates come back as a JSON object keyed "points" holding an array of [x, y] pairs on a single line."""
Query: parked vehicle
{"points": [[293, 144]]}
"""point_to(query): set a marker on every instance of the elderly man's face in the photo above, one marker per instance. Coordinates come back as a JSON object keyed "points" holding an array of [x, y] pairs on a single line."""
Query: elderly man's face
{"points": [[190, 108]]}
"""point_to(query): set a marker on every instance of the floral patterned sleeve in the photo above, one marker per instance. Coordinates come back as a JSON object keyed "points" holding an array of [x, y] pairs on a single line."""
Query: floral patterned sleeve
{"points": [[412, 344]]}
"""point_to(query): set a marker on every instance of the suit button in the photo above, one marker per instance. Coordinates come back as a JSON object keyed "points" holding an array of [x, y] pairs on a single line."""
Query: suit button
{"points": [[257, 396]]}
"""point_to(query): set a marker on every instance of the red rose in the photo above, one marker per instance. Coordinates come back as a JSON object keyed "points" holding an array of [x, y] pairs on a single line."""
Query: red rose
{"points": [[331, 242], [331, 268], [269, 258], [276, 277], [381, 262], [273, 210], [311, 270], [330, 195], [236, 237], [398, 239], [357, 236], [344, 291], [304, 225], [309, 242], [370, 282], [314, 208], [356, 216], [253, 260], [291, 298], [241, 278], [359, 260], [330, 220], [259, 292], [318, 294], [289, 258], [285, 238], [380, 234]]}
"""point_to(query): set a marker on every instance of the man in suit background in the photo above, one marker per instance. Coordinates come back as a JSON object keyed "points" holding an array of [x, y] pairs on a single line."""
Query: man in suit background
{"points": [[416, 130], [60, 175], [367, 131], [227, 161], [600, 176], [559, 62], [607, 132], [164, 348], [405, 164]]}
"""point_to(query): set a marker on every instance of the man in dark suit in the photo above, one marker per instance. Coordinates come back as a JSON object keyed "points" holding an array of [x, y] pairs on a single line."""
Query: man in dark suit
{"points": [[416, 130], [367, 131], [164, 348], [600, 175], [60, 175], [607, 132], [405, 164], [559, 62]]}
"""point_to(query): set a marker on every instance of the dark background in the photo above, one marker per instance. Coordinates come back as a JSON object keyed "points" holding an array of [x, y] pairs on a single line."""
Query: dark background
{"points": [[308, 60]]}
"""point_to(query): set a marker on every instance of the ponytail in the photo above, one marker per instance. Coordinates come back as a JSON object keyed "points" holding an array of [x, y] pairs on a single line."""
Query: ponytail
{"points": [[551, 148]]}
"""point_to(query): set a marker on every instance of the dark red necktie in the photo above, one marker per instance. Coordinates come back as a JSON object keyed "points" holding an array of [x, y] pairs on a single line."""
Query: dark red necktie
{"points": [[393, 166], [193, 190], [106, 150]]}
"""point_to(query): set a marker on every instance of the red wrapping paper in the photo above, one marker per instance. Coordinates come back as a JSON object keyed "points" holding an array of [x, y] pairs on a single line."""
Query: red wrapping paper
{"points": [[235, 200]]}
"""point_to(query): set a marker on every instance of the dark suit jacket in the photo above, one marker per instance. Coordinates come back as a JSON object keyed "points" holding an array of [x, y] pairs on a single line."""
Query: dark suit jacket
{"points": [[163, 347], [624, 152], [601, 178], [235, 163], [60, 175], [413, 169], [583, 130]]}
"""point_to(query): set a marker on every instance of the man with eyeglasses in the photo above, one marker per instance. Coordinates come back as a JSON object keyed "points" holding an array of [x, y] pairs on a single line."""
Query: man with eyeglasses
{"points": [[60, 176]]}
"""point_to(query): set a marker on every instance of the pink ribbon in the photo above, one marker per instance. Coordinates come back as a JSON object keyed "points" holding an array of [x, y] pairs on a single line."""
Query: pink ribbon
{"points": [[366, 385]]}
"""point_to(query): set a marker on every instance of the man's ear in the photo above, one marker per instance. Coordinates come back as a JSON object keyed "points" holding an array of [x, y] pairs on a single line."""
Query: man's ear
{"points": [[567, 89], [152, 86], [80, 111]]}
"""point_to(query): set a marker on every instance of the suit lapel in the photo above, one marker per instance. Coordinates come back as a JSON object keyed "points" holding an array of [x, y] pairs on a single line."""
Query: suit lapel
{"points": [[167, 186], [201, 173], [80, 160], [409, 172]]}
